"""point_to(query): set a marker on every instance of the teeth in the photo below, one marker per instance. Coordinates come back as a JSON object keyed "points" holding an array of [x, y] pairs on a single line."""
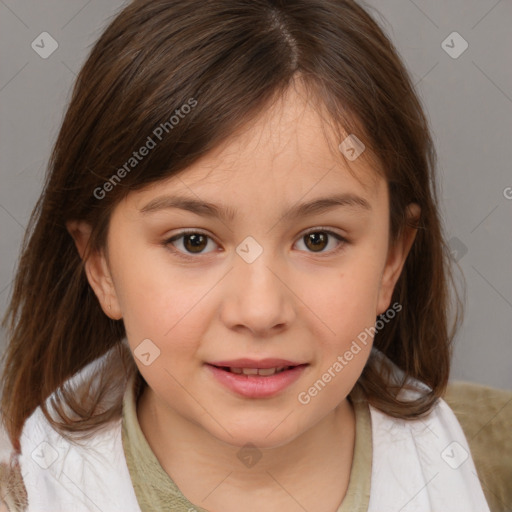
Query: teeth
{"points": [[250, 371], [265, 372]]}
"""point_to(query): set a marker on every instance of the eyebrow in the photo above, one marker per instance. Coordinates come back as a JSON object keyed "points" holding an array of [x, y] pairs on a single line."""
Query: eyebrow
{"points": [[207, 209]]}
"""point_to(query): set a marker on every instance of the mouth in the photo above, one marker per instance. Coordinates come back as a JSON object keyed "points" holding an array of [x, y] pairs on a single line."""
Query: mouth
{"points": [[256, 379], [262, 372]]}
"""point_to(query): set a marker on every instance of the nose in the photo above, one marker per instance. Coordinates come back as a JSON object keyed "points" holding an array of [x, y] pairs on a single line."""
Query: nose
{"points": [[257, 298]]}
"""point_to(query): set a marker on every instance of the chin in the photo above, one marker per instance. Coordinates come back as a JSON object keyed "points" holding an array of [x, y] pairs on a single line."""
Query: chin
{"points": [[265, 435]]}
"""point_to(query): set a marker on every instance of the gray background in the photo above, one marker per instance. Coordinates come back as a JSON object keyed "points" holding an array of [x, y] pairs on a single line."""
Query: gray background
{"points": [[468, 100]]}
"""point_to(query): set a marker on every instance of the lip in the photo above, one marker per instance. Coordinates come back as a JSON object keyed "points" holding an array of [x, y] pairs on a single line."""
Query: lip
{"points": [[256, 386], [255, 363]]}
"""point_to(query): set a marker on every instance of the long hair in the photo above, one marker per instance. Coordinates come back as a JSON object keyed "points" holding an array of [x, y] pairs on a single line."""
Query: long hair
{"points": [[227, 60]]}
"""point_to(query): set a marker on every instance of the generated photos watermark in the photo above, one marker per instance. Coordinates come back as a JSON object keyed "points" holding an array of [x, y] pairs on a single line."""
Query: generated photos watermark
{"points": [[152, 141], [337, 366]]}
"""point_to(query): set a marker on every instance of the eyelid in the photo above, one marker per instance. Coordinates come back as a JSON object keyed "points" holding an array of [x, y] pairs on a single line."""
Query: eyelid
{"points": [[323, 229]]}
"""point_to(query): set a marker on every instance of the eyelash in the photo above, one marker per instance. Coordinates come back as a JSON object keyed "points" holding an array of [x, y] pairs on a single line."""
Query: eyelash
{"points": [[168, 243]]}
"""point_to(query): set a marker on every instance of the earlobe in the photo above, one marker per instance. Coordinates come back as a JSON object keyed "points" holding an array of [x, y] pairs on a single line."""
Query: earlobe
{"points": [[397, 255], [96, 269]]}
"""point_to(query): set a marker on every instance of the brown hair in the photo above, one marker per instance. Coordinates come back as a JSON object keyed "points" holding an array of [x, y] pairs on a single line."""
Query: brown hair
{"points": [[233, 57]]}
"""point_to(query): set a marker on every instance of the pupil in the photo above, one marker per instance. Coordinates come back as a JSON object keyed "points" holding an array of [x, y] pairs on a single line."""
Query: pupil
{"points": [[196, 241], [316, 238]]}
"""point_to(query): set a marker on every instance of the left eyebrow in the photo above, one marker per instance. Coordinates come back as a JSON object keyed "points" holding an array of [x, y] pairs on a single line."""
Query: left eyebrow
{"points": [[207, 209]]}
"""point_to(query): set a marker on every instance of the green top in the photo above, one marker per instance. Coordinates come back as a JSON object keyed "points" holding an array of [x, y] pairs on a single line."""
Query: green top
{"points": [[156, 491]]}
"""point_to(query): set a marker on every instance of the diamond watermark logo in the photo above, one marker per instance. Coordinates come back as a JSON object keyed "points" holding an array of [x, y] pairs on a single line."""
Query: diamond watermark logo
{"points": [[44, 455], [352, 147], [44, 45], [454, 455], [454, 45], [457, 248], [249, 455], [249, 250], [146, 352]]}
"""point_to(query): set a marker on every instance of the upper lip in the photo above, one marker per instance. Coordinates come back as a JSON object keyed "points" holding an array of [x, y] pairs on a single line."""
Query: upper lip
{"points": [[255, 363]]}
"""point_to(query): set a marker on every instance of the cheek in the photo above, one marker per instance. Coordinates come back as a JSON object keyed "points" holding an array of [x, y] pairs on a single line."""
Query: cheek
{"points": [[350, 313], [347, 304], [349, 296], [157, 300], [166, 314]]}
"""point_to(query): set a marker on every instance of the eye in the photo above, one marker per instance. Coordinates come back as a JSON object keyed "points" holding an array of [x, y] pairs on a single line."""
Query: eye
{"points": [[317, 240], [189, 242]]}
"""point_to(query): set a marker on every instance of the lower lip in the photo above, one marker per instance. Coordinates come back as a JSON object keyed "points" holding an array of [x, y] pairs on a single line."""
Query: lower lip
{"points": [[257, 386]]}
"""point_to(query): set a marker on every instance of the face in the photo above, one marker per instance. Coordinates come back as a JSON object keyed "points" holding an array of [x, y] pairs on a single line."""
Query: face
{"points": [[223, 276]]}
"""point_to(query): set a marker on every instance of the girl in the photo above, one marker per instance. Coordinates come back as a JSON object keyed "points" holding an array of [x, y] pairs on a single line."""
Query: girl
{"points": [[233, 294]]}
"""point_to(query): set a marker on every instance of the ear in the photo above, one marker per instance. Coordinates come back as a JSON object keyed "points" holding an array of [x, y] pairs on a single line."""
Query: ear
{"points": [[96, 268], [397, 254]]}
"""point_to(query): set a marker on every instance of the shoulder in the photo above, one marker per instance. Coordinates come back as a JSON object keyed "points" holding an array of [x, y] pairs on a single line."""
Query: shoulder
{"points": [[485, 415], [32, 476], [71, 472]]}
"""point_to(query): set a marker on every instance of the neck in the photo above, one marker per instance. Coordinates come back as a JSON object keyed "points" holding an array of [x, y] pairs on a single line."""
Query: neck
{"points": [[312, 470]]}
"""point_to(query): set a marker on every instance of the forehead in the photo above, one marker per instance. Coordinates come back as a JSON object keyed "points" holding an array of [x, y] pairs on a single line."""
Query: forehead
{"points": [[289, 149]]}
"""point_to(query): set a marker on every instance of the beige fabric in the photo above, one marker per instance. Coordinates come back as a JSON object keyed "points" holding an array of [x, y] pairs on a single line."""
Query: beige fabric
{"points": [[13, 496], [485, 415], [156, 492], [357, 497]]}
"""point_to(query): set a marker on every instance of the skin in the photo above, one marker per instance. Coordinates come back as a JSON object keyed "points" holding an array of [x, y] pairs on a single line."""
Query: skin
{"points": [[298, 301]]}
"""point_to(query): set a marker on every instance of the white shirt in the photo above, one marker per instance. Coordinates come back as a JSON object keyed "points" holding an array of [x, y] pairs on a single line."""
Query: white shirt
{"points": [[421, 465]]}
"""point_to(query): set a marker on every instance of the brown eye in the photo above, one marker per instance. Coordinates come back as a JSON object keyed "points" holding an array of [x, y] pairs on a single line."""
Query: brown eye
{"points": [[316, 241], [187, 243], [194, 243]]}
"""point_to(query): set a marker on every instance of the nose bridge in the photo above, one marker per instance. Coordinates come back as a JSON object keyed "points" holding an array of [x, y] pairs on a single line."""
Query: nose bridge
{"points": [[255, 277], [257, 298]]}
